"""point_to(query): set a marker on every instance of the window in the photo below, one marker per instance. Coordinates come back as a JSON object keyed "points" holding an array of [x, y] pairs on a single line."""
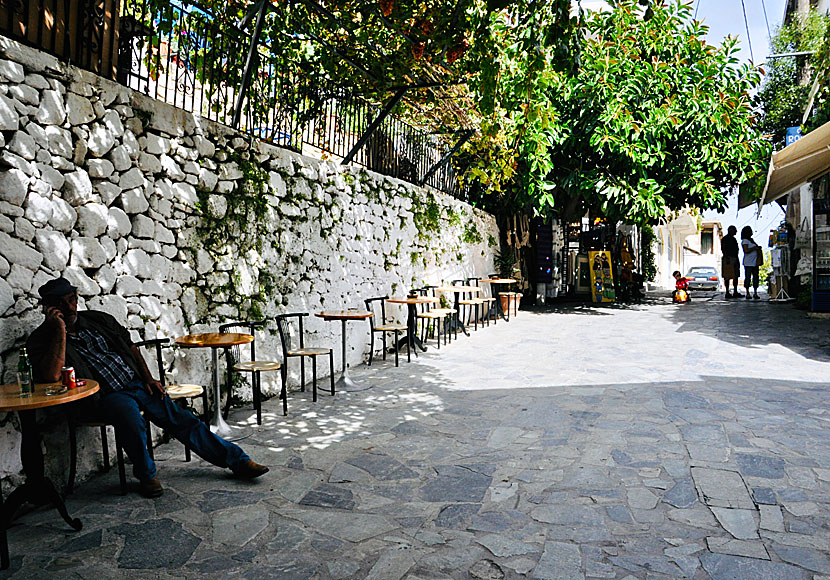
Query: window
{"points": [[706, 242]]}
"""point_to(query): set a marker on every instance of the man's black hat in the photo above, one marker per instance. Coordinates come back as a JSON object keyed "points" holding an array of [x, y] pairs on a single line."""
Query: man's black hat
{"points": [[57, 287]]}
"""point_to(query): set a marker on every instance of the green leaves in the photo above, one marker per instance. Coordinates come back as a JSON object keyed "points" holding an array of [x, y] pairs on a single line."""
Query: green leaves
{"points": [[652, 119]]}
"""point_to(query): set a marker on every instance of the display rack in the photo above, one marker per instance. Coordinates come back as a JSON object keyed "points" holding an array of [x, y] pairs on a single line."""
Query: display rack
{"points": [[821, 255], [780, 256]]}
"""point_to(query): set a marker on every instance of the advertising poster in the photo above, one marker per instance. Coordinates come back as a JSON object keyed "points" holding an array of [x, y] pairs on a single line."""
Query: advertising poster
{"points": [[602, 280]]}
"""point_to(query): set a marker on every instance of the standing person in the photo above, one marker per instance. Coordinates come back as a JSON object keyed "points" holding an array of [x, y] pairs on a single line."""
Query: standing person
{"points": [[753, 258], [730, 264], [99, 347]]}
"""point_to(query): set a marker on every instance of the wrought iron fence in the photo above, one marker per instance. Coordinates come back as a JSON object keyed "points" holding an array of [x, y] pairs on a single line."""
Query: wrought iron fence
{"points": [[176, 52]]}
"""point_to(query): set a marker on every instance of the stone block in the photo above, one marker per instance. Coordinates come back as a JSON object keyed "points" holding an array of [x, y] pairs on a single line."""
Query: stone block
{"points": [[131, 179], [93, 219], [60, 141], [143, 226], [51, 176], [78, 187], [86, 285], [108, 191], [6, 295], [100, 168], [52, 110], [87, 253], [134, 201], [38, 208], [63, 216], [155, 144], [20, 278], [112, 121], [9, 117], [14, 185], [149, 163], [120, 158], [11, 71], [25, 94], [78, 110], [16, 252], [100, 141], [24, 145]]}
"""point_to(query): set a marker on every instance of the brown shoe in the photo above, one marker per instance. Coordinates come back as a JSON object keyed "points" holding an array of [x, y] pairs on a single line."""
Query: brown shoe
{"points": [[151, 487], [249, 470]]}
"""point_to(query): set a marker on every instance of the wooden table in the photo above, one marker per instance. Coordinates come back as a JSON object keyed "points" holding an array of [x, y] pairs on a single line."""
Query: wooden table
{"points": [[412, 302], [214, 341], [458, 290], [37, 489], [345, 381], [497, 281]]}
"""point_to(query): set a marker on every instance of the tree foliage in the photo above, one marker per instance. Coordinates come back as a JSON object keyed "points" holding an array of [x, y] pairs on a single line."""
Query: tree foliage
{"points": [[783, 94], [651, 119]]}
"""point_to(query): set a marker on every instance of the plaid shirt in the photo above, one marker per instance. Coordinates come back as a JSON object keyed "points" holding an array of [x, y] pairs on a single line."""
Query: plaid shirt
{"points": [[110, 368]]}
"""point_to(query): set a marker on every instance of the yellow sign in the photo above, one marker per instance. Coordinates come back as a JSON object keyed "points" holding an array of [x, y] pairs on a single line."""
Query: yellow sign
{"points": [[602, 280]]}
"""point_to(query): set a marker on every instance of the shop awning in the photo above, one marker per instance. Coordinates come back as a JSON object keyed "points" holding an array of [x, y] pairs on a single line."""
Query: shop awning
{"points": [[803, 161]]}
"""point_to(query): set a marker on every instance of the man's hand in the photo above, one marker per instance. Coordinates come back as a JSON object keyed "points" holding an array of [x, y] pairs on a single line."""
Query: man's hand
{"points": [[155, 387], [54, 317]]}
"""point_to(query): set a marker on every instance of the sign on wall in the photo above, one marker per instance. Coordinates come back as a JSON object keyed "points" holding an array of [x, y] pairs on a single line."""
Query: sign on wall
{"points": [[793, 134]]}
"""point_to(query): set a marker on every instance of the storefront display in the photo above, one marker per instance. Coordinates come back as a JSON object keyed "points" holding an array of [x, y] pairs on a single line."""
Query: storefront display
{"points": [[602, 278], [821, 255]]}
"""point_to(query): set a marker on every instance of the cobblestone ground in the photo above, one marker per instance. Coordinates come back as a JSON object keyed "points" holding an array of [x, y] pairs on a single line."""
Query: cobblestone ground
{"points": [[651, 441]]}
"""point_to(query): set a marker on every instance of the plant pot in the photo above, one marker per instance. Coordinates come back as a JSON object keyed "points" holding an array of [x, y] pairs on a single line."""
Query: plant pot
{"points": [[512, 302]]}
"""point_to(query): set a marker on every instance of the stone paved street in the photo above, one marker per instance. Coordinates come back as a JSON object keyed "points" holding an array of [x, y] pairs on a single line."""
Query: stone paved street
{"points": [[650, 441]]}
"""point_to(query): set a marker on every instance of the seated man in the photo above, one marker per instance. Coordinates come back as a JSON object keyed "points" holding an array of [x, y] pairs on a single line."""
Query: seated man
{"points": [[97, 346]]}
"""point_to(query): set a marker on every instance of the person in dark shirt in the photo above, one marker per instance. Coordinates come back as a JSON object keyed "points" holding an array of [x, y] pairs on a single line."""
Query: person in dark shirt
{"points": [[730, 264], [97, 346]]}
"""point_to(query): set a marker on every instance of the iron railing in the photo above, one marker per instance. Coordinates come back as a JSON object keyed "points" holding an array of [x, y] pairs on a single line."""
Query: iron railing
{"points": [[175, 52]]}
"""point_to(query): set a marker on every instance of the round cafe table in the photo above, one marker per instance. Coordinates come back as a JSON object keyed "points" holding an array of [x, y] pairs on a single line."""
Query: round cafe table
{"points": [[37, 489], [412, 302], [497, 282], [458, 290], [214, 341], [345, 382]]}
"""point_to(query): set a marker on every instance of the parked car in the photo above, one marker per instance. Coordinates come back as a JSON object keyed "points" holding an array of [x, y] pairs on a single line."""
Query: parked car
{"points": [[703, 278]]}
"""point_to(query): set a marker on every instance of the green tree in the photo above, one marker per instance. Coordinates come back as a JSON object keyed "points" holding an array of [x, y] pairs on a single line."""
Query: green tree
{"points": [[651, 119], [784, 91]]}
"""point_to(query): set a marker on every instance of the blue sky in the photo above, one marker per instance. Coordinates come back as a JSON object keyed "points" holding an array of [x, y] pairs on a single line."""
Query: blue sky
{"points": [[725, 17]]}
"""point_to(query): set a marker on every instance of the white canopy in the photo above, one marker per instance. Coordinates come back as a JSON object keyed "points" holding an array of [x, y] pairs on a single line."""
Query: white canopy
{"points": [[803, 161]]}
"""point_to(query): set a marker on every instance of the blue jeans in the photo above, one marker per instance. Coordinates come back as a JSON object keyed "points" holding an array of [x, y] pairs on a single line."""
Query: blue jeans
{"points": [[123, 409]]}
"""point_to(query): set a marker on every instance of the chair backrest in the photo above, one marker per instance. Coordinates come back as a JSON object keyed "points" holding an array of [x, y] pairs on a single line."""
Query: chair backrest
{"points": [[156, 344], [370, 308], [288, 338], [426, 292], [234, 353]]}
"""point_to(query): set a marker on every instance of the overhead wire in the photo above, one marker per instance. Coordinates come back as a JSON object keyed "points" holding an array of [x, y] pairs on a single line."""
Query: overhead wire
{"points": [[766, 20], [697, 5], [748, 38]]}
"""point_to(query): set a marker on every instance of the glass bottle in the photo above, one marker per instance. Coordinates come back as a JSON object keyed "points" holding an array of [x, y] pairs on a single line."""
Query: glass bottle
{"points": [[24, 374]]}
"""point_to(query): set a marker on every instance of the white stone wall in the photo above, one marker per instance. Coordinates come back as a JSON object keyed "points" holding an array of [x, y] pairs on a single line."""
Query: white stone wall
{"points": [[175, 224]]}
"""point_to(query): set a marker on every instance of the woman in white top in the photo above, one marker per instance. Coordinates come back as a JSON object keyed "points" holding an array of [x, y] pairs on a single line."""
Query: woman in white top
{"points": [[753, 258]]}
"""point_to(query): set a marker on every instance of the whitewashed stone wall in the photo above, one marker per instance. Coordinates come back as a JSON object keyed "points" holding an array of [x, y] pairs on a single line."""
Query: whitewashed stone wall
{"points": [[174, 225]]}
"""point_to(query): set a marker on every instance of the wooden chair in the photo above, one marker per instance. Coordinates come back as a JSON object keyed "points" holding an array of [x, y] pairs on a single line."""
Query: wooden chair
{"points": [[486, 302], [295, 347], [180, 393], [233, 356], [467, 301], [384, 328], [436, 315]]}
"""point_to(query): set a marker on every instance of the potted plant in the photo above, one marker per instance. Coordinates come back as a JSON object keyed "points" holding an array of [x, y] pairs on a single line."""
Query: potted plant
{"points": [[505, 262]]}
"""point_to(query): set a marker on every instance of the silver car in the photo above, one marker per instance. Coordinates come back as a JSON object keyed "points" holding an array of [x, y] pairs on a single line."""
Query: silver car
{"points": [[703, 278]]}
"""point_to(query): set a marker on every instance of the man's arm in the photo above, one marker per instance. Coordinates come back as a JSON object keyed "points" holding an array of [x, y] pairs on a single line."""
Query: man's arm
{"points": [[152, 385], [49, 356]]}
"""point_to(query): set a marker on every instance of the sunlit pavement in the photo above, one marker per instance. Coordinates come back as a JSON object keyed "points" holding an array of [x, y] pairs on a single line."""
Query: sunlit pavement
{"points": [[647, 441]]}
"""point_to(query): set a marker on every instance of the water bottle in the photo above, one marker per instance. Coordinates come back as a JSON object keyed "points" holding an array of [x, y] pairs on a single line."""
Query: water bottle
{"points": [[24, 375]]}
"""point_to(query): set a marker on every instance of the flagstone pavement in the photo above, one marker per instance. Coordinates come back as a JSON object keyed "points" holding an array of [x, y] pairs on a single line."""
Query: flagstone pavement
{"points": [[637, 442]]}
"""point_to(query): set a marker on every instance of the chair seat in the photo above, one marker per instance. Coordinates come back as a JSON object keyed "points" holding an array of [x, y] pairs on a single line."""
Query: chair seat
{"points": [[444, 311], [184, 391], [471, 302], [391, 327], [487, 299], [431, 314], [308, 351], [257, 365], [511, 294]]}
